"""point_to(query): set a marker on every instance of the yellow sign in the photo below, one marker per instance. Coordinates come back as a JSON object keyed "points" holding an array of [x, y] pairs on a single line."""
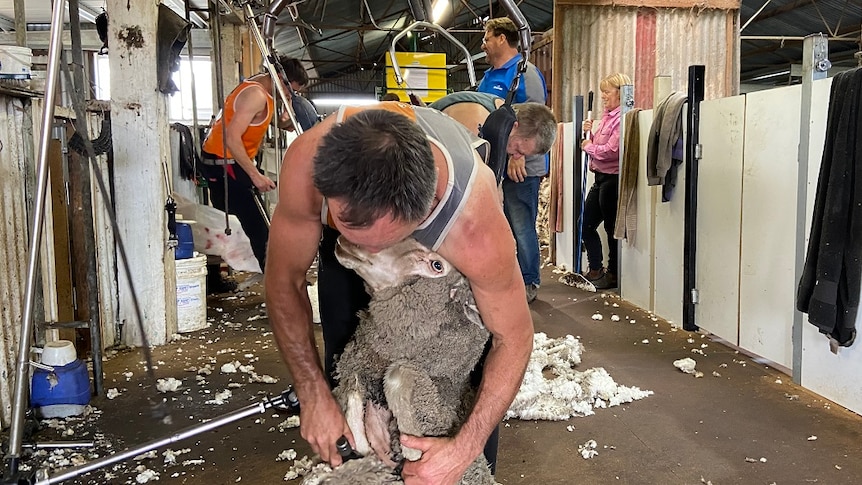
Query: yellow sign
{"points": [[424, 74]]}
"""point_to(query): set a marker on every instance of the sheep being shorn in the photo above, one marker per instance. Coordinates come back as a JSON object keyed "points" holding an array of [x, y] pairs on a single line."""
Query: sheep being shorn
{"points": [[407, 368]]}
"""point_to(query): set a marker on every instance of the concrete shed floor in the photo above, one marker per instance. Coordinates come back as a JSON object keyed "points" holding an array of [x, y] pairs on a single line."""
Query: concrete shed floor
{"points": [[743, 422]]}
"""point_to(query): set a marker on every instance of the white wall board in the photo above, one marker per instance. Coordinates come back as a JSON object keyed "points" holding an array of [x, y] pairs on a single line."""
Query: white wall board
{"points": [[719, 197], [767, 285], [669, 230]]}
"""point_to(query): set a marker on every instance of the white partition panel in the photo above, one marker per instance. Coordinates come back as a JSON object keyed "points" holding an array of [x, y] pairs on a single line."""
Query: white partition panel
{"points": [[565, 240], [636, 260], [833, 376], [719, 194], [767, 287], [669, 230]]}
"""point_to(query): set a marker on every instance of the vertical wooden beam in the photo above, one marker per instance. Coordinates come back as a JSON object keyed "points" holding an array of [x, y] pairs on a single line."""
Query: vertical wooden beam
{"points": [[732, 66], [60, 225], [20, 23], [139, 124], [557, 94]]}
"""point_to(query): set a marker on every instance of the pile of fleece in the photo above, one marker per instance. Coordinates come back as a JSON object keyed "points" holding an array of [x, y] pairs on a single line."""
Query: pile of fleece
{"points": [[553, 390]]}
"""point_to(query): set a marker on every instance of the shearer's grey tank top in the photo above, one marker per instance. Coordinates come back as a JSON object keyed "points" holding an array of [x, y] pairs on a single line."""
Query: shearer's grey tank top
{"points": [[459, 150]]}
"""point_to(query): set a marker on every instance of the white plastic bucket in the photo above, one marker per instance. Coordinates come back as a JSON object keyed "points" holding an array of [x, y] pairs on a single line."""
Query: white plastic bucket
{"points": [[15, 62], [192, 293], [59, 353]]}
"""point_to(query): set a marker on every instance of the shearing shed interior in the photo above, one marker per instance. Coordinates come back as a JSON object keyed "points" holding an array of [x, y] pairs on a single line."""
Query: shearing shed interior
{"points": [[194, 216]]}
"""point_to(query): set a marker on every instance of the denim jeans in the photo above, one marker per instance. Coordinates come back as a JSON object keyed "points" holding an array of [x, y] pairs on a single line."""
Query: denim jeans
{"points": [[521, 205]]}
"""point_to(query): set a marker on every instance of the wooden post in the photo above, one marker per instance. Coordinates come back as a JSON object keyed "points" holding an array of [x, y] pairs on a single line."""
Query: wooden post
{"points": [[139, 123], [20, 23]]}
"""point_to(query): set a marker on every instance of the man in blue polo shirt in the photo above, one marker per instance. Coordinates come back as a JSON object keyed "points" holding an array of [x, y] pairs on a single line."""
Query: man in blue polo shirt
{"points": [[521, 186]]}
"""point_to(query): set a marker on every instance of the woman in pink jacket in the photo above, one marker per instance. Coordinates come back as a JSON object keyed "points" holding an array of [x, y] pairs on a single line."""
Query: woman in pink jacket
{"points": [[601, 204]]}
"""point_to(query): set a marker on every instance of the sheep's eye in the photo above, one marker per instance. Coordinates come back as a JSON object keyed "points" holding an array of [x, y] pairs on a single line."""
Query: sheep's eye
{"points": [[437, 266]]}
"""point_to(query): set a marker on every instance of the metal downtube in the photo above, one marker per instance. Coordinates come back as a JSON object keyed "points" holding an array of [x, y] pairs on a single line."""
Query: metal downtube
{"points": [[19, 402]]}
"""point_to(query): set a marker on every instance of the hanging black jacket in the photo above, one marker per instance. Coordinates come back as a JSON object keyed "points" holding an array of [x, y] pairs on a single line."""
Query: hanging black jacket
{"points": [[830, 284]]}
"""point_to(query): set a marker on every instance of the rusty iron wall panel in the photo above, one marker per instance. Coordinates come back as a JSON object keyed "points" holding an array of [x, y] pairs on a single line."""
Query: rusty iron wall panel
{"points": [[689, 37], [595, 41]]}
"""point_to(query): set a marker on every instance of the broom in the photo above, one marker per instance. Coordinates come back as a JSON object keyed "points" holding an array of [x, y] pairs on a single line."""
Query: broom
{"points": [[579, 280]]}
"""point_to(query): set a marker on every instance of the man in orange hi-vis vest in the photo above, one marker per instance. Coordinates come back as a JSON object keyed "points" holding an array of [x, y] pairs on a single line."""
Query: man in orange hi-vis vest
{"points": [[229, 151]]}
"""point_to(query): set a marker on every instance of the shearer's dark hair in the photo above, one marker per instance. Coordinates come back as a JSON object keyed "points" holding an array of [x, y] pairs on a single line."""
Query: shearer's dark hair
{"points": [[294, 70], [378, 162]]}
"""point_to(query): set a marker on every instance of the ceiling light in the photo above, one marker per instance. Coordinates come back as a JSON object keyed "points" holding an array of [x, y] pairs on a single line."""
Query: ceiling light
{"points": [[439, 9]]}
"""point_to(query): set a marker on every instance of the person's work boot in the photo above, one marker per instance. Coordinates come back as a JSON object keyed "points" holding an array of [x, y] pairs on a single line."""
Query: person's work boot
{"points": [[594, 274], [216, 284], [606, 281], [532, 291]]}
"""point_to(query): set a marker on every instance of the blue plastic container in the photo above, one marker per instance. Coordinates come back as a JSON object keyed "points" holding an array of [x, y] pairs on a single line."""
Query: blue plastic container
{"points": [[185, 241], [61, 392]]}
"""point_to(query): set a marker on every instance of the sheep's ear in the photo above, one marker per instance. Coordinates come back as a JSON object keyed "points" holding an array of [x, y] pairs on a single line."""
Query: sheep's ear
{"points": [[472, 313], [461, 293]]}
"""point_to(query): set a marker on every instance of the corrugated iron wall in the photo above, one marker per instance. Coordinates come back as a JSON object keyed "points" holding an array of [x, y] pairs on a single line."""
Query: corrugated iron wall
{"points": [[542, 55], [595, 41], [707, 37], [15, 121]]}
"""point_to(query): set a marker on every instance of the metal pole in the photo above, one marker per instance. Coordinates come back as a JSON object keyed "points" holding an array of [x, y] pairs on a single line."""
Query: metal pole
{"points": [[627, 102], [251, 409], [814, 66], [696, 76], [577, 181], [269, 62], [19, 402], [191, 56], [471, 71], [750, 19], [215, 29]]}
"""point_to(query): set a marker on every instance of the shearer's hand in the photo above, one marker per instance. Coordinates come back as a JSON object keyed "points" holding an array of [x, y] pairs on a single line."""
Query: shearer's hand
{"points": [[587, 125], [322, 424], [442, 462]]}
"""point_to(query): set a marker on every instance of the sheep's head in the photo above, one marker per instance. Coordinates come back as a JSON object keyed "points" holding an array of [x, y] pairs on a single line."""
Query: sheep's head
{"points": [[394, 265]]}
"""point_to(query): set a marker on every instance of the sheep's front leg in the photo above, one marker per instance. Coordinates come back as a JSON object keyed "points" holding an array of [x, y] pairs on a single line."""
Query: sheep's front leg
{"points": [[352, 401], [414, 402]]}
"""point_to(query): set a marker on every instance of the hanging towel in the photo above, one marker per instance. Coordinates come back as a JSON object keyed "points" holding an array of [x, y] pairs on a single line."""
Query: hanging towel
{"points": [[666, 129], [627, 203], [829, 288]]}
